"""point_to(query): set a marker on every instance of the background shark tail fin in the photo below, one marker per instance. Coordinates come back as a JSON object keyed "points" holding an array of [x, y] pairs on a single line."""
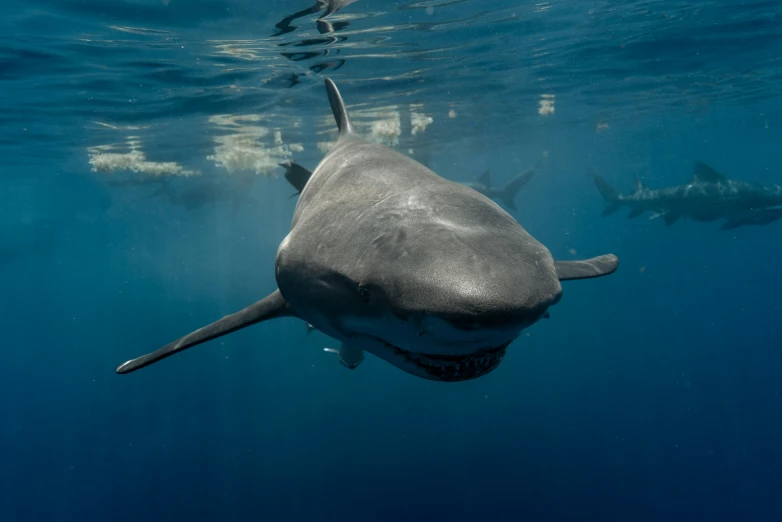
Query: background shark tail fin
{"points": [[611, 196], [512, 188], [341, 115], [270, 307]]}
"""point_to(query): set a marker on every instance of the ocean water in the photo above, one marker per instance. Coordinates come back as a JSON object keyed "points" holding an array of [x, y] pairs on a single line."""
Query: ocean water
{"points": [[141, 198]]}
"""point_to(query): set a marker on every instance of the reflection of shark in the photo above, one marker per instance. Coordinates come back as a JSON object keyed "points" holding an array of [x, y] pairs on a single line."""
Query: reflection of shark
{"points": [[505, 194], [709, 196], [331, 6], [389, 258]]}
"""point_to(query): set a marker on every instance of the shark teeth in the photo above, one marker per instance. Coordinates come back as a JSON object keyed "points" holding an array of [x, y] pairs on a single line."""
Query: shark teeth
{"points": [[453, 368]]}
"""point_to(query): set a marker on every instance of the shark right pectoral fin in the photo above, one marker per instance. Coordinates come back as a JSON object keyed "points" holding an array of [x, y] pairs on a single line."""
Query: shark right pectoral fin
{"points": [[587, 268], [270, 307]]}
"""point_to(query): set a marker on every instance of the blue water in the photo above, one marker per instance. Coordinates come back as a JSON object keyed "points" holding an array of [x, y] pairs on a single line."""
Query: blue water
{"points": [[653, 394]]}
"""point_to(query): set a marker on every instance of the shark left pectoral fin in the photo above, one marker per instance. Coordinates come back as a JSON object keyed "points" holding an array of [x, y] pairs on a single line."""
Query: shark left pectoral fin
{"points": [[350, 356], [270, 307], [296, 175], [587, 268]]}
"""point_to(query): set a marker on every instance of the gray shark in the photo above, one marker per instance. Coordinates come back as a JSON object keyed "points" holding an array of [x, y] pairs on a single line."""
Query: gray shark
{"points": [[387, 257], [505, 194], [709, 196]]}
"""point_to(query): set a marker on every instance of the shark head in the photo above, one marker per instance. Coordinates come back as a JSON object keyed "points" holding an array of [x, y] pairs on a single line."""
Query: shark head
{"points": [[441, 300]]}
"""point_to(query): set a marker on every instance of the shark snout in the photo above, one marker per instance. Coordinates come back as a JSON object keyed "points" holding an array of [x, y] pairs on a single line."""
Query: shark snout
{"points": [[481, 304]]}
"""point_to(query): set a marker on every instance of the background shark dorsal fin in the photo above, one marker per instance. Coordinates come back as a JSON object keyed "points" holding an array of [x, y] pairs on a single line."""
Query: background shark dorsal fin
{"points": [[485, 178], [341, 115], [705, 174], [270, 307], [587, 268], [639, 185]]}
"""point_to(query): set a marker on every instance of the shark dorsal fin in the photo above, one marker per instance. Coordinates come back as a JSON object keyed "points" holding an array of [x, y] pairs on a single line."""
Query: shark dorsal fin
{"points": [[639, 185], [485, 179], [341, 115], [705, 174]]}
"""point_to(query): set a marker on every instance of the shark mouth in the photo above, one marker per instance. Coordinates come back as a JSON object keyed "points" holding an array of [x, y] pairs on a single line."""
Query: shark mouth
{"points": [[454, 368]]}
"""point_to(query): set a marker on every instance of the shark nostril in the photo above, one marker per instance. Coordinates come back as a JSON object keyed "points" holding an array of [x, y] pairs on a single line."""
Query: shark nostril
{"points": [[364, 293]]}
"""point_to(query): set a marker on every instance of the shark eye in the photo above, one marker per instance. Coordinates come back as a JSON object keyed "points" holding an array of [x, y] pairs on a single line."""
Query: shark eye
{"points": [[363, 291]]}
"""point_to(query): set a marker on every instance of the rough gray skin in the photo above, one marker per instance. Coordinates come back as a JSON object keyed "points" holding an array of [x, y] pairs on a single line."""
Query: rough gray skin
{"points": [[387, 257], [505, 194], [298, 177], [708, 197]]}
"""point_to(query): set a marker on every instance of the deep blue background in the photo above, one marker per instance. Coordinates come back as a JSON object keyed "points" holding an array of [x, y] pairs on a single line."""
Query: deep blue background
{"points": [[650, 395]]}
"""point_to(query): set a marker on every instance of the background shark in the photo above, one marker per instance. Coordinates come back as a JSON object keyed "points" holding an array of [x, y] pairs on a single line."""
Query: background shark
{"points": [[709, 196]]}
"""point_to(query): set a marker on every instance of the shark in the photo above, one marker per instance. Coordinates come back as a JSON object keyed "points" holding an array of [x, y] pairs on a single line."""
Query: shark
{"points": [[708, 197], [388, 258]]}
